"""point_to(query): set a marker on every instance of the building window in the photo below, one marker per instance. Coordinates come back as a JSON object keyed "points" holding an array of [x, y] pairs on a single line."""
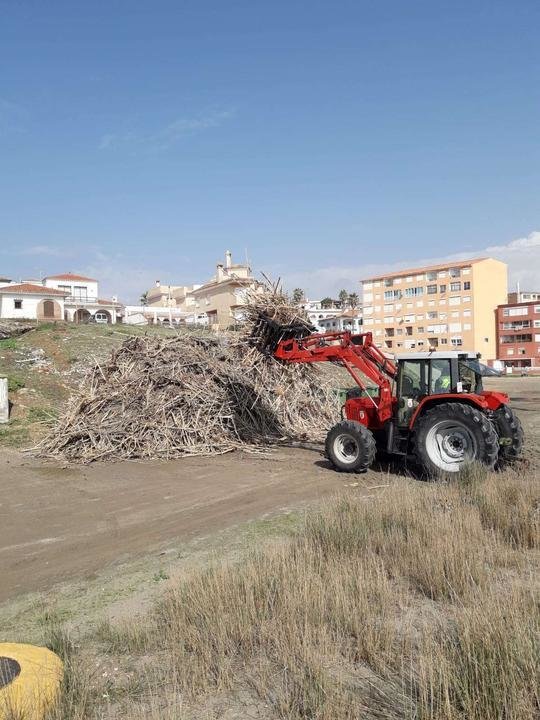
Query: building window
{"points": [[431, 276], [524, 338], [537, 308], [467, 285], [511, 311], [388, 282], [456, 342], [431, 289], [412, 292], [455, 272], [444, 341], [18, 304], [510, 351], [421, 330], [442, 288], [455, 287], [432, 315]]}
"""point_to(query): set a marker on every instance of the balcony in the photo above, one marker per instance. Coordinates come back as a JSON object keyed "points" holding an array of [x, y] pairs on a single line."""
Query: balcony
{"points": [[82, 299]]}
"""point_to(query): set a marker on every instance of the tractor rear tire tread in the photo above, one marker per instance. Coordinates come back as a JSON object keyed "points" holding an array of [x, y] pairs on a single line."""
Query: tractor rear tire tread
{"points": [[366, 444], [508, 425], [476, 421]]}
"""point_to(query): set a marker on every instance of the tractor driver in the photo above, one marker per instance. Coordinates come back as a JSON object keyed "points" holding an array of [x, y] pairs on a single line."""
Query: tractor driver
{"points": [[442, 383]]}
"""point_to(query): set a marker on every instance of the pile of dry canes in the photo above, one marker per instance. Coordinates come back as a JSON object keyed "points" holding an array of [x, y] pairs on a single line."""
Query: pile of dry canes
{"points": [[165, 397]]}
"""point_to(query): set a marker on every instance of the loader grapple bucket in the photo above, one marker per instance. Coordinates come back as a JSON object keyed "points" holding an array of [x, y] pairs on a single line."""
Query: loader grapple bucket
{"points": [[268, 333]]}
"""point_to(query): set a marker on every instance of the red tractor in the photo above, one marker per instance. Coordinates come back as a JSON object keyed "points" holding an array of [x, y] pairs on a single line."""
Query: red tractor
{"points": [[430, 406]]}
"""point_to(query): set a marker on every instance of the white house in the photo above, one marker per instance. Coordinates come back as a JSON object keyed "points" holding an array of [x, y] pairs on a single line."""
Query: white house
{"points": [[83, 303], [316, 313], [30, 301], [70, 297], [339, 322]]}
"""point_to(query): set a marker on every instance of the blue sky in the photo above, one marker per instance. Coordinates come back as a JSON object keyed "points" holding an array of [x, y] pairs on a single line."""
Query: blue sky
{"points": [[140, 140]]}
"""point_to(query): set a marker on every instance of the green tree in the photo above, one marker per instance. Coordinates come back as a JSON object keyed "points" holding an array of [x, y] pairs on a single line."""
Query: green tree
{"points": [[298, 295], [343, 298], [144, 298], [327, 303], [353, 300]]}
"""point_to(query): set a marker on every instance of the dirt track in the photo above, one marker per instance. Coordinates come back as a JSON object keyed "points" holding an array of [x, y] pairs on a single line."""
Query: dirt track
{"points": [[63, 523], [60, 523]]}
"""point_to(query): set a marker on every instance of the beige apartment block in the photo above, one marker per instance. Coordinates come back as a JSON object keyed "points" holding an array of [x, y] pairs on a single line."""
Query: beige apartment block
{"points": [[441, 307]]}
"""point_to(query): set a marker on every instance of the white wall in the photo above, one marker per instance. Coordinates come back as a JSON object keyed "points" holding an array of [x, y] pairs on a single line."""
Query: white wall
{"points": [[91, 287], [28, 310]]}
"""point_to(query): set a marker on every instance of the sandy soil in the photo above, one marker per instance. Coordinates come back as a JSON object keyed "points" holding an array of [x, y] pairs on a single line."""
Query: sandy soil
{"points": [[57, 523], [62, 523]]}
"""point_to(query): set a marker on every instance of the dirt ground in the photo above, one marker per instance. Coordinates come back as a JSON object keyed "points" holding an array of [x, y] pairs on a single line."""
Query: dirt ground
{"points": [[61, 523]]}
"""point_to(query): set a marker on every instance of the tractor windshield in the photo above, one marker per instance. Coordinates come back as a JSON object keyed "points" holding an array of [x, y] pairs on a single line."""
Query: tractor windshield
{"points": [[471, 373], [479, 368]]}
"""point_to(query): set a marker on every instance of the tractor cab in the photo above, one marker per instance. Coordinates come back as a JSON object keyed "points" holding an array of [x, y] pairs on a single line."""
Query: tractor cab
{"points": [[436, 373]]}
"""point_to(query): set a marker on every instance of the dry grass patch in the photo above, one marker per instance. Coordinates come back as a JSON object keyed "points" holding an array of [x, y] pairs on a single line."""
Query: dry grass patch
{"points": [[397, 606]]}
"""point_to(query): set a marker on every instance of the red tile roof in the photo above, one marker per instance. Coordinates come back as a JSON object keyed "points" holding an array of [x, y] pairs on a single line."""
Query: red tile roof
{"points": [[29, 289], [69, 276]]}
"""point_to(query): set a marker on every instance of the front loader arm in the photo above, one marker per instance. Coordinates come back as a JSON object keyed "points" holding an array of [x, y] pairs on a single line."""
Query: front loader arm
{"points": [[353, 352]]}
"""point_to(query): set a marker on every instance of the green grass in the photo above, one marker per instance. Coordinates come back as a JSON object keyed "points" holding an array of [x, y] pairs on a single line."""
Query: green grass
{"points": [[8, 344]]}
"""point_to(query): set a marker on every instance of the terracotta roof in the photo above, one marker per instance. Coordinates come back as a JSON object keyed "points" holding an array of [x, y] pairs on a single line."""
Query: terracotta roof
{"points": [[427, 268], [29, 289], [69, 276]]}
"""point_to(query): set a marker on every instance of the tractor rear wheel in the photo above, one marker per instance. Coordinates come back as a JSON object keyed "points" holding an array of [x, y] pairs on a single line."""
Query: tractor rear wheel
{"points": [[452, 435], [510, 434], [350, 446]]}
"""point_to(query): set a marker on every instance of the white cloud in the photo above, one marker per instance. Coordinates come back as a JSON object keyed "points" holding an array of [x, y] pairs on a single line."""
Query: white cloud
{"points": [[522, 256], [165, 137]]}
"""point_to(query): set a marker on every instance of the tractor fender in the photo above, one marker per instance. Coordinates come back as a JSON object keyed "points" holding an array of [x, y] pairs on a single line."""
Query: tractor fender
{"points": [[478, 401]]}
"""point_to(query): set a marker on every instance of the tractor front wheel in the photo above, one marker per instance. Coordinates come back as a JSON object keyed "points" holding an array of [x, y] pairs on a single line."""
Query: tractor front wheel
{"points": [[350, 446], [452, 435]]}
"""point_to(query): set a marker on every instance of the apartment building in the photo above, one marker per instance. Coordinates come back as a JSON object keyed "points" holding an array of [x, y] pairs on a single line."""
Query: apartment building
{"points": [[447, 306], [520, 296], [518, 333]]}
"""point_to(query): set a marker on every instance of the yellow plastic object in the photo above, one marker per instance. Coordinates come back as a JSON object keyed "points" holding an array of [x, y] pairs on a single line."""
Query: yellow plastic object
{"points": [[30, 680]]}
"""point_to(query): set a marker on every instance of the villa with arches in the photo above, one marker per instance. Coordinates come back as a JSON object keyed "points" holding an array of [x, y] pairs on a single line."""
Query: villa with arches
{"points": [[69, 297]]}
